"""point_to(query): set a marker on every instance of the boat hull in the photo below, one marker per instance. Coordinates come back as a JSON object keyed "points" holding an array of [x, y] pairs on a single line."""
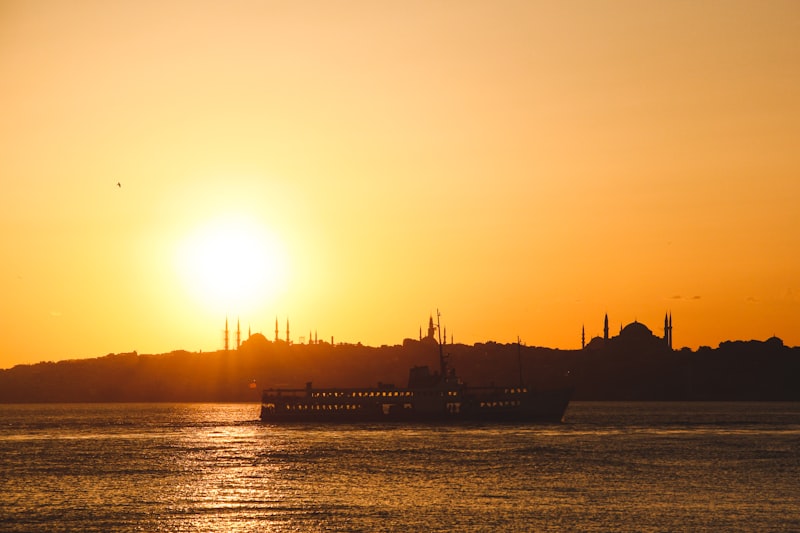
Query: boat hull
{"points": [[369, 406]]}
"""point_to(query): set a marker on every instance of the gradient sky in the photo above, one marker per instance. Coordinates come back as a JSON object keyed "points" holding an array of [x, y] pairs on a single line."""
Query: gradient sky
{"points": [[525, 167]]}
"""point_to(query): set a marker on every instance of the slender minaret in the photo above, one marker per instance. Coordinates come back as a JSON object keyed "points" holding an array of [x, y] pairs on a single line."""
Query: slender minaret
{"points": [[670, 330], [316, 339], [605, 328], [583, 336], [666, 329], [287, 331], [226, 334], [238, 334], [276, 329]]}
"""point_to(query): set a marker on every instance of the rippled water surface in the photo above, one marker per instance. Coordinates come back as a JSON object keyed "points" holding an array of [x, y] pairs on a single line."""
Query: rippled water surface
{"points": [[211, 467]]}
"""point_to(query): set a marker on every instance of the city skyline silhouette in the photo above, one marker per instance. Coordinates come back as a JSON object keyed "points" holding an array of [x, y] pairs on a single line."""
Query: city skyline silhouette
{"points": [[525, 166]]}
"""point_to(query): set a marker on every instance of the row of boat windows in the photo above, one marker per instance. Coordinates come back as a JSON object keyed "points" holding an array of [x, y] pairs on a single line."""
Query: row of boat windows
{"points": [[353, 407], [381, 394], [315, 407], [490, 405]]}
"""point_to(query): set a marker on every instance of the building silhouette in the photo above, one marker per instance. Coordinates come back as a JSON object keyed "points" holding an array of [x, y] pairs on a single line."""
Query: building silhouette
{"points": [[431, 336], [632, 337]]}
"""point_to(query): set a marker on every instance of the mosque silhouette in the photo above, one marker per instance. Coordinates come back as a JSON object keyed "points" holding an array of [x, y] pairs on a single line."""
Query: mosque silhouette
{"points": [[634, 336]]}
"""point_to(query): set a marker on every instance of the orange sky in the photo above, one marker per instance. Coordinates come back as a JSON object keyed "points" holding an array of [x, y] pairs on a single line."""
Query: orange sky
{"points": [[526, 167]]}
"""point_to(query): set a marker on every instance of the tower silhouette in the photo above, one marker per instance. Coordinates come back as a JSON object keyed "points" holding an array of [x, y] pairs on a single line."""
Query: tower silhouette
{"points": [[226, 334], [605, 328], [668, 329]]}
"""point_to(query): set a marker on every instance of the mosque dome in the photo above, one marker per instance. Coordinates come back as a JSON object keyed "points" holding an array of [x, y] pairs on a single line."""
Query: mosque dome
{"points": [[636, 330], [775, 342]]}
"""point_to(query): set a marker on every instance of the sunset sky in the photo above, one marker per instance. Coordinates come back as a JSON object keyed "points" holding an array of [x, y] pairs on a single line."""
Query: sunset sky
{"points": [[525, 167]]}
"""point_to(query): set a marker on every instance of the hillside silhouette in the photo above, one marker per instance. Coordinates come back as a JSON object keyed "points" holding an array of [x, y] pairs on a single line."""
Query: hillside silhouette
{"points": [[609, 370]]}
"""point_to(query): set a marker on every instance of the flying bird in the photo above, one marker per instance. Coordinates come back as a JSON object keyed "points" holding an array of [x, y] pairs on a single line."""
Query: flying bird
{"points": [[119, 185]]}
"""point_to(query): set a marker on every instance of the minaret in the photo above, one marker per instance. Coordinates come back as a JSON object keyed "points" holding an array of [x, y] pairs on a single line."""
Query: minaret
{"points": [[287, 331], [431, 329], [276, 329], [670, 330], [605, 328], [666, 329], [583, 336], [238, 334], [226, 334]]}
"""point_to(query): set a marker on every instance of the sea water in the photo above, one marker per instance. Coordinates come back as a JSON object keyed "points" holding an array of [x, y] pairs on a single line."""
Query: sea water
{"points": [[213, 467]]}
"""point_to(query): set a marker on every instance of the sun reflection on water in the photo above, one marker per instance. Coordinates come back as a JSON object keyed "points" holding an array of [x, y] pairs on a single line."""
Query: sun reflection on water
{"points": [[191, 468]]}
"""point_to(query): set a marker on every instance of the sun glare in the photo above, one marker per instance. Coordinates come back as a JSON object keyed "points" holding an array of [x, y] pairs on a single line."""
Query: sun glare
{"points": [[232, 264]]}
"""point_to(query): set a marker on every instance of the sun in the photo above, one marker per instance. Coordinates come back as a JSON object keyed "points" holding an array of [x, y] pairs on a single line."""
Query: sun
{"points": [[232, 264]]}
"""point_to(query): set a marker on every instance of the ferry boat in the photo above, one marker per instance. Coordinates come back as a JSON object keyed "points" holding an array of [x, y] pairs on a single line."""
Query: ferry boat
{"points": [[429, 397]]}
